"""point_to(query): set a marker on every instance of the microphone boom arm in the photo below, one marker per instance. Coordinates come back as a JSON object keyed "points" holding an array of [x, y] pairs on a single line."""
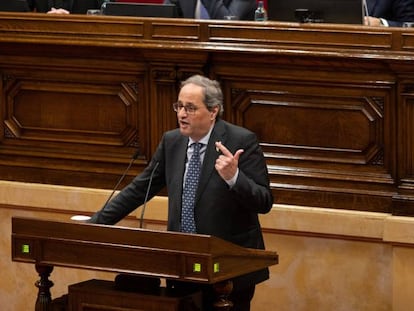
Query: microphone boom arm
{"points": [[146, 195]]}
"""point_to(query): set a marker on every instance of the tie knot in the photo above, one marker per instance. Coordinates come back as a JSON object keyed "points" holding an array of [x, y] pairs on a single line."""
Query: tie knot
{"points": [[197, 147]]}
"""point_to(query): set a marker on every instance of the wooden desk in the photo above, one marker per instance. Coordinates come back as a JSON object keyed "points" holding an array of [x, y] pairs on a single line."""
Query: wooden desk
{"points": [[332, 105]]}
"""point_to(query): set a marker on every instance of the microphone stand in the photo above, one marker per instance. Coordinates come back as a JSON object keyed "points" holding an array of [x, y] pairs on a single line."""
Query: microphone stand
{"points": [[134, 157], [146, 195]]}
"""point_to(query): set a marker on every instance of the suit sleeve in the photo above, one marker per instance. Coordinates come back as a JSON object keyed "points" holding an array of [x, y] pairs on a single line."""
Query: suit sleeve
{"points": [[133, 195], [252, 185], [401, 11]]}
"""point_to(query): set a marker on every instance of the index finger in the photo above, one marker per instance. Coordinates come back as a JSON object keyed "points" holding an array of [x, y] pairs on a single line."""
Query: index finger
{"points": [[223, 149]]}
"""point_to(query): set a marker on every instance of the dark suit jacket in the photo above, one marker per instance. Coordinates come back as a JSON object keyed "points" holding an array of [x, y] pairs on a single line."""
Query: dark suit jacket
{"points": [[217, 9], [396, 12], [73, 6], [230, 214]]}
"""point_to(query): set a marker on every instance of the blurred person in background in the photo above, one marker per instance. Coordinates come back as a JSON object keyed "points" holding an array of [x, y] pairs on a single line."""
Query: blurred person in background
{"points": [[389, 13], [216, 9], [64, 6]]}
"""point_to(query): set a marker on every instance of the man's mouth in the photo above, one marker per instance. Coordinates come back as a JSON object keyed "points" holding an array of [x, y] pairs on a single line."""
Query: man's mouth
{"points": [[184, 123]]}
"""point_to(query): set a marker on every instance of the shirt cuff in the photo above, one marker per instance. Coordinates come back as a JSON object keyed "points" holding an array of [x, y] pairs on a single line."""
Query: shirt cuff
{"points": [[232, 182], [384, 22]]}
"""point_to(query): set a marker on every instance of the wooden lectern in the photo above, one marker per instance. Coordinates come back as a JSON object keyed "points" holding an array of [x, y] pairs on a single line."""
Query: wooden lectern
{"points": [[172, 255]]}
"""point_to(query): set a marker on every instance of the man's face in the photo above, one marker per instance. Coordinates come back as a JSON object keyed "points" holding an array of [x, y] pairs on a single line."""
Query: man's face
{"points": [[197, 124]]}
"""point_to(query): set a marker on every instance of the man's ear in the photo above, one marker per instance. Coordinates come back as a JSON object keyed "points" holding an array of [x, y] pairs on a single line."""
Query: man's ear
{"points": [[214, 112]]}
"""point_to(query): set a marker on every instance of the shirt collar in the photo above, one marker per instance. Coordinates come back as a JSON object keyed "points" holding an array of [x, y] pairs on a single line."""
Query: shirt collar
{"points": [[203, 140]]}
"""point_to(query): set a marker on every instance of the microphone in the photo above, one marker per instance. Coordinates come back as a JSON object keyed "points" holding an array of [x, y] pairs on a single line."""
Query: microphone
{"points": [[146, 195], [134, 157]]}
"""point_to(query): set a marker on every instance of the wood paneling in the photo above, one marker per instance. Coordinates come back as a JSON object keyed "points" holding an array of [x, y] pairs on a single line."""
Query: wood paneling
{"points": [[332, 105]]}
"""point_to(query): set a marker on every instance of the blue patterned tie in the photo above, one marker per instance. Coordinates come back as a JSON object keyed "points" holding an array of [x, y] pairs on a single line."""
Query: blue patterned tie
{"points": [[189, 191]]}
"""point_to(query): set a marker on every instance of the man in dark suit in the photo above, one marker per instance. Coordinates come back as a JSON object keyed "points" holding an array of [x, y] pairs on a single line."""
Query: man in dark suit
{"points": [[389, 12], [64, 6], [217, 9], [233, 186]]}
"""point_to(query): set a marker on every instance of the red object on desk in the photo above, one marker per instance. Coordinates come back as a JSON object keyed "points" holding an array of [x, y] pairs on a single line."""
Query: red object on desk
{"points": [[264, 2]]}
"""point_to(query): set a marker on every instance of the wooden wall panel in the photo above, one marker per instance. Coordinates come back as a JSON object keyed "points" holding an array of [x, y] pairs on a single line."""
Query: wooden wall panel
{"points": [[332, 143], [405, 149], [327, 129], [67, 123], [332, 105], [71, 112]]}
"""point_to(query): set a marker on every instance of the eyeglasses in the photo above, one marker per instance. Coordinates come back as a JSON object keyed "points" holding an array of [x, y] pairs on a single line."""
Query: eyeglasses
{"points": [[190, 109]]}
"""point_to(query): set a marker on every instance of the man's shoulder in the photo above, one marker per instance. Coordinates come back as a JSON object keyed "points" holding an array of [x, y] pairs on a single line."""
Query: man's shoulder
{"points": [[173, 135], [232, 128]]}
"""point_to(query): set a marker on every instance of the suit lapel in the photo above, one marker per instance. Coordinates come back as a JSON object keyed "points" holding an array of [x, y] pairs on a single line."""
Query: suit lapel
{"points": [[218, 134], [179, 155]]}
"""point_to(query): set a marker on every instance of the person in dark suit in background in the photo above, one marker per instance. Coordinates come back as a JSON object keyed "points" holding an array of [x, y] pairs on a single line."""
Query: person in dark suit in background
{"points": [[64, 6], [233, 186], [389, 12], [216, 9]]}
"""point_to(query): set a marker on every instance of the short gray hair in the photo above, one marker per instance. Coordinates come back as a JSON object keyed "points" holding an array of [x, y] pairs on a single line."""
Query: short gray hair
{"points": [[213, 95]]}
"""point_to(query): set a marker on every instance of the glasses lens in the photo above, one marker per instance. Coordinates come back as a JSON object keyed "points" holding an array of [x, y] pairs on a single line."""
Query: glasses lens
{"points": [[190, 109]]}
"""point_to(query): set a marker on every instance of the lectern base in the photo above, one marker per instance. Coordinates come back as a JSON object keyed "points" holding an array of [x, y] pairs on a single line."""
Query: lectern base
{"points": [[100, 295]]}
